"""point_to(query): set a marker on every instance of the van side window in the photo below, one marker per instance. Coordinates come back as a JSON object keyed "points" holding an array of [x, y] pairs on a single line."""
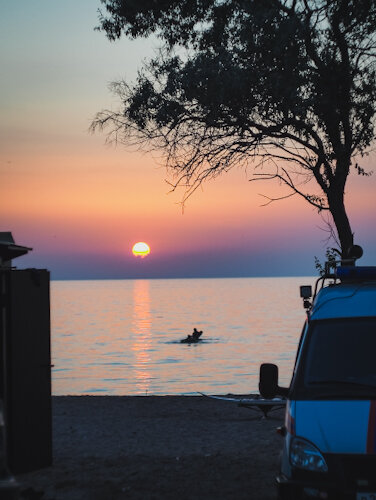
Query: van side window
{"points": [[342, 351]]}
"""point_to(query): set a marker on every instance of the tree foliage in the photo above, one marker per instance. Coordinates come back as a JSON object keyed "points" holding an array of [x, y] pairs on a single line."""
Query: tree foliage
{"points": [[286, 87]]}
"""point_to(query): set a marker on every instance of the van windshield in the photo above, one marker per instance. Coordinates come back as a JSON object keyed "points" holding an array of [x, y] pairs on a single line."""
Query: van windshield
{"points": [[342, 353]]}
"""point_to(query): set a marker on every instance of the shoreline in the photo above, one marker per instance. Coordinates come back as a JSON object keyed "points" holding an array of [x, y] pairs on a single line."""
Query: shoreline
{"points": [[170, 447]]}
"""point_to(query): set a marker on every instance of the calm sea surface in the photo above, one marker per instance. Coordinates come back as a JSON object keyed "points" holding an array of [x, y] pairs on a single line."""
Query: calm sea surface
{"points": [[123, 336]]}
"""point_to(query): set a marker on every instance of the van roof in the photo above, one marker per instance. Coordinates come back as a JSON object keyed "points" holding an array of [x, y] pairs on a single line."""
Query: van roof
{"points": [[345, 300]]}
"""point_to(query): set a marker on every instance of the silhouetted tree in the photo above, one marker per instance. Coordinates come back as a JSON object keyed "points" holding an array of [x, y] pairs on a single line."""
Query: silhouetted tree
{"points": [[285, 86]]}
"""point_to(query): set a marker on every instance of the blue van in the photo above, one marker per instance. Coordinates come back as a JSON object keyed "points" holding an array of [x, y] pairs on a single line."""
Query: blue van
{"points": [[329, 449]]}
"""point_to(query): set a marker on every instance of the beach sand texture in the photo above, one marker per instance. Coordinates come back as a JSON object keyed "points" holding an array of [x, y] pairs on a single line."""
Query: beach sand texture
{"points": [[158, 447]]}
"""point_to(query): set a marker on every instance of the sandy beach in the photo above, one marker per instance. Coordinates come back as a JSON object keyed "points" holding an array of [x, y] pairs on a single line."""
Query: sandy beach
{"points": [[157, 447]]}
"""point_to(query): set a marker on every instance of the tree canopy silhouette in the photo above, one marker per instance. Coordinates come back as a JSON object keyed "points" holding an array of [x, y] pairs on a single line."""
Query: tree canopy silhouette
{"points": [[285, 87]]}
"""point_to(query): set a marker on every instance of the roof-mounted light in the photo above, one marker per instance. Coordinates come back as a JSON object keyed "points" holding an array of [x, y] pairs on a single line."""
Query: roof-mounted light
{"points": [[354, 253], [306, 294]]}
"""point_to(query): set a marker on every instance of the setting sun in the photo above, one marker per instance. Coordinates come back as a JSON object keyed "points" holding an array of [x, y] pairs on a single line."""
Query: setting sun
{"points": [[141, 249]]}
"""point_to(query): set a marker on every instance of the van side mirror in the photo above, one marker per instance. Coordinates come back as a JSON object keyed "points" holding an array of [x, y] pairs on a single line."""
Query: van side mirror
{"points": [[268, 382]]}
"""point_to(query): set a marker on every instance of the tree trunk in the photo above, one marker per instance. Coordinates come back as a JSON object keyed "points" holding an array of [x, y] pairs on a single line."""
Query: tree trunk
{"points": [[341, 222]]}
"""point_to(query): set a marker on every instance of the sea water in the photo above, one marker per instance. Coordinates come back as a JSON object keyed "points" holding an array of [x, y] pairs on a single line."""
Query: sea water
{"points": [[122, 337]]}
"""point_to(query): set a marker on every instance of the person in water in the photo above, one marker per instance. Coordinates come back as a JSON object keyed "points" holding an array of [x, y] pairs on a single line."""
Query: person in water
{"points": [[194, 337], [196, 334]]}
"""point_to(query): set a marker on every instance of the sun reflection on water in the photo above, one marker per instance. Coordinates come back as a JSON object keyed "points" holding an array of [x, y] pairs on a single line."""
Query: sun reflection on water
{"points": [[141, 335]]}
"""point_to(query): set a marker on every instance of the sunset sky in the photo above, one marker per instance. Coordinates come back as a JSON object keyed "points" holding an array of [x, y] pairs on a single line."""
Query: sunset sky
{"points": [[82, 204]]}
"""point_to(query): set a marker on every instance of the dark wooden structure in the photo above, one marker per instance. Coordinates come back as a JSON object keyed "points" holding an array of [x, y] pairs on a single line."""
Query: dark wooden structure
{"points": [[25, 374]]}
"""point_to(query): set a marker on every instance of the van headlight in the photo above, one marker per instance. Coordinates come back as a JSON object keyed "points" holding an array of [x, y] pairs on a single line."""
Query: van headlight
{"points": [[306, 456]]}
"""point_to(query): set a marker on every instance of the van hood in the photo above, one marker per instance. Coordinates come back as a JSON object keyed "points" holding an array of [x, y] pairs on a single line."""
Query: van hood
{"points": [[337, 426]]}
